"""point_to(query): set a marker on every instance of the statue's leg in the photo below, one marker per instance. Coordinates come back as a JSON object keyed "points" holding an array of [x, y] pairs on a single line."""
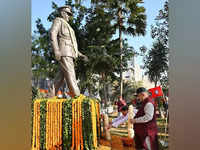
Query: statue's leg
{"points": [[67, 66], [58, 81]]}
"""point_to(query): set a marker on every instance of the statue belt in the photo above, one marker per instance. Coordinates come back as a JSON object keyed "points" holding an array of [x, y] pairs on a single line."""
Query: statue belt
{"points": [[65, 37]]}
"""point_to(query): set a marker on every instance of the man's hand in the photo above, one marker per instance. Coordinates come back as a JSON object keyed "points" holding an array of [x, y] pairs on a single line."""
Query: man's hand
{"points": [[132, 121], [109, 126], [58, 55]]}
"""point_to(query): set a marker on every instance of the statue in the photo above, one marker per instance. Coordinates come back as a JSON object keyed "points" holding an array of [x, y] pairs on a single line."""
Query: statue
{"points": [[65, 48]]}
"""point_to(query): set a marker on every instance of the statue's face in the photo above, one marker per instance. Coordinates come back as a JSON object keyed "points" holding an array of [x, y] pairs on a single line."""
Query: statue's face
{"points": [[65, 15]]}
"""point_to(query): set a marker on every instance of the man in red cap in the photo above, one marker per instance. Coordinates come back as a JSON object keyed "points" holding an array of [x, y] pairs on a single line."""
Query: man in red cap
{"points": [[145, 126]]}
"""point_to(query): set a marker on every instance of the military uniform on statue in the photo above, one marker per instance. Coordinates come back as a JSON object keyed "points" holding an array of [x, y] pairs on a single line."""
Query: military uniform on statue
{"points": [[145, 126], [65, 48]]}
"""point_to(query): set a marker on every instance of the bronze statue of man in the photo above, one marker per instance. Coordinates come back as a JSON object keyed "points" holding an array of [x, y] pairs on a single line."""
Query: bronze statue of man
{"points": [[65, 48]]}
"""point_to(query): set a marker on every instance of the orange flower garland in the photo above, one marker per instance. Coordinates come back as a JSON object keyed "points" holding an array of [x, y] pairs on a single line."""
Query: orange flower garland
{"points": [[78, 126], [76, 133], [54, 129], [77, 137], [81, 124], [54, 124], [47, 126]]}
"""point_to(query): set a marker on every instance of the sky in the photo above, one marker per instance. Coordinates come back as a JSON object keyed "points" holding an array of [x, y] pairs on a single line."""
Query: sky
{"points": [[42, 8]]}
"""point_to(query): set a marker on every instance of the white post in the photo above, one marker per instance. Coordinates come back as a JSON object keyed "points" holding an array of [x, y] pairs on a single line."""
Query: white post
{"points": [[166, 124], [106, 124], [130, 125]]}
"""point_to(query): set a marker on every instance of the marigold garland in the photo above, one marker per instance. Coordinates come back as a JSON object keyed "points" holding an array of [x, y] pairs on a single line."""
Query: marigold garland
{"points": [[36, 126], [52, 110], [73, 124], [47, 126], [78, 128], [98, 120], [81, 124], [94, 123], [76, 133], [60, 125], [77, 138], [54, 124]]}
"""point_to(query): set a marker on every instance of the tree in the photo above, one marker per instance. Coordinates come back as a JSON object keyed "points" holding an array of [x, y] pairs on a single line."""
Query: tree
{"points": [[161, 29], [102, 50], [94, 32], [156, 62], [128, 18], [130, 88], [95, 40]]}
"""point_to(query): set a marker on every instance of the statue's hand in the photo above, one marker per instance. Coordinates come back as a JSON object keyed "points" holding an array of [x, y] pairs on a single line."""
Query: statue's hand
{"points": [[85, 58], [58, 55]]}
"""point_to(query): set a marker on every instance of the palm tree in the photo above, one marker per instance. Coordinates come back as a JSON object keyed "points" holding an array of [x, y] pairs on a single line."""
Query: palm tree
{"points": [[128, 18]]}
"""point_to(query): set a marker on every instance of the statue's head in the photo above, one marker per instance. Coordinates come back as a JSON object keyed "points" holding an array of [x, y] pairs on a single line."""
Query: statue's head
{"points": [[65, 11]]}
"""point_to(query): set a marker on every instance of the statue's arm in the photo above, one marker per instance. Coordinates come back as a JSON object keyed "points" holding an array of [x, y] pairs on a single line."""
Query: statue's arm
{"points": [[84, 56], [53, 34], [80, 54]]}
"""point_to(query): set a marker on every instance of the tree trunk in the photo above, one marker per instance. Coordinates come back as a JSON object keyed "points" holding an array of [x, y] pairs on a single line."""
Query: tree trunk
{"points": [[37, 83], [105, 94], [156, 82], [104, 88], [121, 49]]}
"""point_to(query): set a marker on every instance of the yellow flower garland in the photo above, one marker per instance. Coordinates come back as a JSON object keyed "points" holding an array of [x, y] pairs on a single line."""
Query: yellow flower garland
{"points": [[98, 117], [54, 124], [60, 125], [73, 125], [47, 125], [36, 126], [94, 123]]}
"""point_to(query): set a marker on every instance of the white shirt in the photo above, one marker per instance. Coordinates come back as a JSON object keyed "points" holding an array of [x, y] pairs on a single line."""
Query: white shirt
{"points": [[119, 120], [149, 112]]}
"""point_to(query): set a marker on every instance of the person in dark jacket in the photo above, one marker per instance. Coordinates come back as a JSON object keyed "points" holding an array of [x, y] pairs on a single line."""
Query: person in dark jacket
{"points": [[145, 126]]}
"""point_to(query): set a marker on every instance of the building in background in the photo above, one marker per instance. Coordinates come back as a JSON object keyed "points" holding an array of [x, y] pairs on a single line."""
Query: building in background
{"points": [[136, 73]]}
